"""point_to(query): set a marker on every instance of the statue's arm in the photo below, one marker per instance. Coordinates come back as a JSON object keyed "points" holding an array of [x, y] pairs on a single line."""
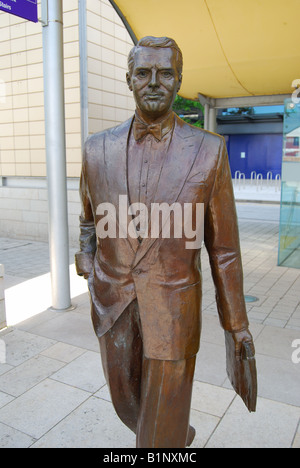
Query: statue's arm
{"points": [[87, 239], [223, 246]]}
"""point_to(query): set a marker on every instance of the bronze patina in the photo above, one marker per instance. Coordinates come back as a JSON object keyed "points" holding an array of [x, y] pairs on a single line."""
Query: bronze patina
{"points": [[146, 290]]}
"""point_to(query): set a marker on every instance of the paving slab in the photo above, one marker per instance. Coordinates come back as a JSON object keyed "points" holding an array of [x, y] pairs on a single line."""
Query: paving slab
{"points": [[21, 345], [73, 328], [272, 426], [211, 399], [103, 393], [94, 424], [211, 364], [11, 438], [276, 342], [63, 352], [5, 398], [296, 442], [278, 379], [36, 411], [28, 374], [205, 424], [84, 372]]}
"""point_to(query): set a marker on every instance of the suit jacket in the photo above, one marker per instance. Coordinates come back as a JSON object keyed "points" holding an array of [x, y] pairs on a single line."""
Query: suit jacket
{"points": [[162, 274]]}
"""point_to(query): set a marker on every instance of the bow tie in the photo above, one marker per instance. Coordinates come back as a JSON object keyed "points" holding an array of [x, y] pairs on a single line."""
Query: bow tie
{"points": [[140, 130]]}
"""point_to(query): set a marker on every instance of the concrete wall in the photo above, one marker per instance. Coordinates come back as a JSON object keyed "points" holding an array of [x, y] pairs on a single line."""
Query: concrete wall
{"points": [[23, 191], [22, 130], [2, 300], [24, 209], [108, 44]]}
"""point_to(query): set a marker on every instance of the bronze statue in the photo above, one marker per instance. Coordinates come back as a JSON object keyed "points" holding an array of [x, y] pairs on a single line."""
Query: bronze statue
{"points": [[146, 290]]}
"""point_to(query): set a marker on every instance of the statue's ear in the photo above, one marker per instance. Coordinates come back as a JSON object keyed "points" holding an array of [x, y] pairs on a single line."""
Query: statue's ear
{"points": [[179, 82], [128, 79]]}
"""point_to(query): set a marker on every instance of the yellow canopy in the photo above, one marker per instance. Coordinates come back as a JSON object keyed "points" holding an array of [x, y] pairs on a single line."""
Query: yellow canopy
{"points": [[230, 48]]}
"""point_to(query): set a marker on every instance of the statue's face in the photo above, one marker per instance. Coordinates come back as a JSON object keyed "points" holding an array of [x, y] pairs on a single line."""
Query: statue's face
{"points": [[154, 81]]}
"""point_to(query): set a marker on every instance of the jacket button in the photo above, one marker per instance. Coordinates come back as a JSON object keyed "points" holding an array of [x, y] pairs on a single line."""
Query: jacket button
{"points": [[138, 272]]}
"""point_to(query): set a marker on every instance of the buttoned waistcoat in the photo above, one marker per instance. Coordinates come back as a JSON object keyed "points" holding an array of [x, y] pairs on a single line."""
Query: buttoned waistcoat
{"points": [[161, 273]]}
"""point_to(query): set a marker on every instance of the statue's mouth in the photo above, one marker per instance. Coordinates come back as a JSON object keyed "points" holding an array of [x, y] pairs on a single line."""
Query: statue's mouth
{"points": [[153, 96]]}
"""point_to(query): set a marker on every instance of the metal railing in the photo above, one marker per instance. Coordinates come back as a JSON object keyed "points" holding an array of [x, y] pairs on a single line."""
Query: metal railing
{"points": [[258, 181]]}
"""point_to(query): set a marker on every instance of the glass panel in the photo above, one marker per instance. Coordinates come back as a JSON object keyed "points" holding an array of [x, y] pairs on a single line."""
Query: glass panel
{"points": [[289, 235]]}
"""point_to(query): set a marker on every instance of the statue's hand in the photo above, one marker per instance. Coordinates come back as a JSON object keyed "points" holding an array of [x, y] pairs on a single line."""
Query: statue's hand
{"points": [[84, 262], [240, 337]]}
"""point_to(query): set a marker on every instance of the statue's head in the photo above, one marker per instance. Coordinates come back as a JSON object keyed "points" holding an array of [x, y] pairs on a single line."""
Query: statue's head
{"points": [[155, 75]]}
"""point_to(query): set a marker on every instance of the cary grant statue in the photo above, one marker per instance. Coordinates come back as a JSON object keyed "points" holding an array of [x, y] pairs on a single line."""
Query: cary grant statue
{"points": [[145, 288]]}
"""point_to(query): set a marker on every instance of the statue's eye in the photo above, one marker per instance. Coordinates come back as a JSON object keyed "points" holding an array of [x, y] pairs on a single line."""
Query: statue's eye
{"points": [[142, 73]]}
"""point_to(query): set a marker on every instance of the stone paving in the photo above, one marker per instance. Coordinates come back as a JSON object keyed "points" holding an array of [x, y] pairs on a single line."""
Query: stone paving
{"points": [[52, 388]]}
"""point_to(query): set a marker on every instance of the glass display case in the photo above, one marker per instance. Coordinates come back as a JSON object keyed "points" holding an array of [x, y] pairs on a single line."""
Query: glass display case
{"points": [[289, 233]]}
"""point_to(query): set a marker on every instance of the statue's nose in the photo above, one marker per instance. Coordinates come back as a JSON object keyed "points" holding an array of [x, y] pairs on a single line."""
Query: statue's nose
{"points": [[154, 79]]}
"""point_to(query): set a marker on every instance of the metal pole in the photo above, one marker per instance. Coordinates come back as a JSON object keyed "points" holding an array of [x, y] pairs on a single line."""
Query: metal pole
{"points": [[212, 120], [206, 116], [56, 153]]}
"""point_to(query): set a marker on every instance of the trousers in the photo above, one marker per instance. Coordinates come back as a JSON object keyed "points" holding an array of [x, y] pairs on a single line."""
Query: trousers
{"points": [[152, 397]]}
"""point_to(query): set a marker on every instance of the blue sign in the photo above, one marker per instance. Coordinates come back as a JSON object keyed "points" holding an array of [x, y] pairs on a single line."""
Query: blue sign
{"points": [[26, 9]]}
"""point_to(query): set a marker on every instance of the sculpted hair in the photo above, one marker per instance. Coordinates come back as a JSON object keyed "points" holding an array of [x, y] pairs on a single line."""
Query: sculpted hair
{"points": [[159, 43]]}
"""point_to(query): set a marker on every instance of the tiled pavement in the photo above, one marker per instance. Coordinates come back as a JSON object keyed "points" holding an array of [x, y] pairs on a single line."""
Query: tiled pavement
{"points": [[52, 389]]}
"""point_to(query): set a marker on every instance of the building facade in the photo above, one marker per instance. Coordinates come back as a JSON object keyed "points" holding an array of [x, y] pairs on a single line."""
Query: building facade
{"points": [[254, 142], [96, 46]]}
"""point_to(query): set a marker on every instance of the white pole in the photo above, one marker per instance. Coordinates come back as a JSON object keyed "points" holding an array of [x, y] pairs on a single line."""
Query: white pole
{"points": [[206, 116], [56, 153], [212, 120]]}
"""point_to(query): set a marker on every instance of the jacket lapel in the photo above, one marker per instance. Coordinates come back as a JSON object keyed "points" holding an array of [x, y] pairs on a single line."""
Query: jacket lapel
{"points": [[116, 176], [180, 159]]}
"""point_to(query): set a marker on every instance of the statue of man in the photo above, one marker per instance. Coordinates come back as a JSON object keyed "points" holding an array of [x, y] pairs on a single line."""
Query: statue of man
{"points": [[146, 290]]}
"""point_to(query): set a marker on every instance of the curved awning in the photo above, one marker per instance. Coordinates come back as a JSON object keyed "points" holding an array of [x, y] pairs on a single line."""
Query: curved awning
{"points": [[230, 48]]}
